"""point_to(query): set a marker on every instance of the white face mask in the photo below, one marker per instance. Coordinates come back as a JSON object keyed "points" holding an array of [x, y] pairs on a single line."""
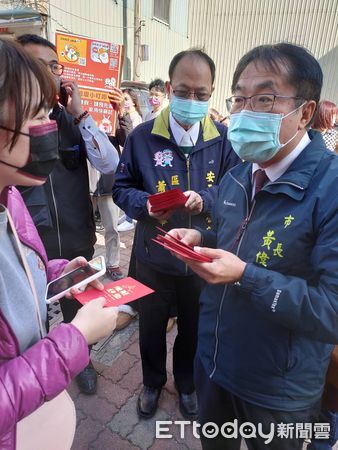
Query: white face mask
{"points": [[254, 136]]}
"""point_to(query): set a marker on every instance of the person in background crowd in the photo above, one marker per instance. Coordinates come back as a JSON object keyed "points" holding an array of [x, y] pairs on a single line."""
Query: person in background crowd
{"points": [[101, 186], [269, 313], [132, 107], [225, 121], [325, 121], [215, 115], [126, 312], [181, 148], [157, 98], [34, 367], [61, 209]]}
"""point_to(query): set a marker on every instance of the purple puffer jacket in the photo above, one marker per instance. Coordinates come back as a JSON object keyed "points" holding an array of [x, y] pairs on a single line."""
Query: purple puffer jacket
{"points": [[46, 368]]}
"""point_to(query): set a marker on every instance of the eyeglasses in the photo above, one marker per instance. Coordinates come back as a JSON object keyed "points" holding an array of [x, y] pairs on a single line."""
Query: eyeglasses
{"points": [[258, 102], [56, 69], [201, 96]]}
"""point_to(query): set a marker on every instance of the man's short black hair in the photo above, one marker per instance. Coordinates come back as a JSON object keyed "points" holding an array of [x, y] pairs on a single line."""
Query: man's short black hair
{"points": [[304, 71], [196, 52], [25, 39], [158, 84]]}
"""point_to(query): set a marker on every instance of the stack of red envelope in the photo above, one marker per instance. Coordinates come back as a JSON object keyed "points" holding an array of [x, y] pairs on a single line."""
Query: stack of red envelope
{"points": [[164, 201], [176, 246]]}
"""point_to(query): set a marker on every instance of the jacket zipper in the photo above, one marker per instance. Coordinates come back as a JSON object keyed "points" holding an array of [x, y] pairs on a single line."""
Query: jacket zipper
{"points": [[188, 175], [286, 182], [56, 215], [239, 238]]}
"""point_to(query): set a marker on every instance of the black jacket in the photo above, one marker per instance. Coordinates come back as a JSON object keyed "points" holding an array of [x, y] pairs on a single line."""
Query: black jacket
{"points": [[61, 208]]}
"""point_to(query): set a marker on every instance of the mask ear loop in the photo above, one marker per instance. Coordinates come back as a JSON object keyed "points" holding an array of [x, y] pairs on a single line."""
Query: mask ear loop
{"points": [[295, 110], [288, 114], [13, 131]]}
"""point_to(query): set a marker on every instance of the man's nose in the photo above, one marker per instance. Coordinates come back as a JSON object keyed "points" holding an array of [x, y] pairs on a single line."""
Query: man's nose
{"points": [[192, 95], [247, 104]]}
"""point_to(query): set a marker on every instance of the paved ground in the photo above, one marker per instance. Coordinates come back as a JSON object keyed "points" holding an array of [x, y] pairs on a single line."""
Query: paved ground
{"points": [[108, 420]]}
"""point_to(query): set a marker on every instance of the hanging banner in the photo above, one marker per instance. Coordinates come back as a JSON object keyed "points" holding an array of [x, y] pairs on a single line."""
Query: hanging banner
{"points": [[96, 66]]}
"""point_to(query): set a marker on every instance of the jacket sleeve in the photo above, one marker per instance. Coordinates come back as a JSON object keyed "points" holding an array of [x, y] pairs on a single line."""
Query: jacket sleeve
{"points": [[127, 190], [310, 308], [101, 153], [124, 126], [40, 373], [55, 268]]}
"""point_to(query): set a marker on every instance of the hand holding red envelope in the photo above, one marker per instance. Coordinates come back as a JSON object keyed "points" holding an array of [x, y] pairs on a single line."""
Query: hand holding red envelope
{"points": [[116, 292], [176, 246], [165, 201]]}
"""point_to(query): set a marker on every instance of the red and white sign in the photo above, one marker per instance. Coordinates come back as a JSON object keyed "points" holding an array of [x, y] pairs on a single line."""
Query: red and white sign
{"points": [[96, 66]]}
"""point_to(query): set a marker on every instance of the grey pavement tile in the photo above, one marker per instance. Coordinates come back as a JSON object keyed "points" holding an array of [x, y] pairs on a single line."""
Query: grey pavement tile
{"points": [[108, 350], [144, 433], [125, 420]]}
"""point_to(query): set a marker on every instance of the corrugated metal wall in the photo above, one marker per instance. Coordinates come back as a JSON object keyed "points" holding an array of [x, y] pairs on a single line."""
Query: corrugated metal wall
{"points": [[103, 19], [227, 29]]}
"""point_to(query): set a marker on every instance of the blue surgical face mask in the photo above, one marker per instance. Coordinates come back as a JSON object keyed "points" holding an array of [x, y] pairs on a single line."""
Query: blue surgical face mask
{"points": [[254, 136], [188, 111]]}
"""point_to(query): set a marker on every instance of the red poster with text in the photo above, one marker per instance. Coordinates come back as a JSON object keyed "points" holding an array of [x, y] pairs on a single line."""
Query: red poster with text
{"points": [[96, 66]]}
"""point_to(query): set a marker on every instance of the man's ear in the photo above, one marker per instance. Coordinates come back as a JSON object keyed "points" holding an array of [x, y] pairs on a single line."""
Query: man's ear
{"points": [[168, 89], [308, 111]]}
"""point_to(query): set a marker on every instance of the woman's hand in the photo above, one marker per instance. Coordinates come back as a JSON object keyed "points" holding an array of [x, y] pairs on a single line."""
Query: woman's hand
{"points": [[94, 321], [80, 261]]}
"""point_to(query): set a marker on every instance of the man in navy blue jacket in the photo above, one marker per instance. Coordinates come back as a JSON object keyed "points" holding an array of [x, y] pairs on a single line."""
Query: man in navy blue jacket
{"points": [[269, 314], [182, 148]]}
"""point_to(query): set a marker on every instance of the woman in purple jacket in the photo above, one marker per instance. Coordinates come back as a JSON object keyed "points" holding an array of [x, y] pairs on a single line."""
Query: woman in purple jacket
{"points": [[32, 369]]}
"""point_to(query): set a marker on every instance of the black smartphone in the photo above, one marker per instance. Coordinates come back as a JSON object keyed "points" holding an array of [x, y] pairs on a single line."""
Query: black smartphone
{"points": [[63, 96]]}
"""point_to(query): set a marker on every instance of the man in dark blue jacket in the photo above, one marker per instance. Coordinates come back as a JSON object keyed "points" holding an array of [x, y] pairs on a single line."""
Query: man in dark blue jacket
{"points": [[269, 317], [182, 148]]}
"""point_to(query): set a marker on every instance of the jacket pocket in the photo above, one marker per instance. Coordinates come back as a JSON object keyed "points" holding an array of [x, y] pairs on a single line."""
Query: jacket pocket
{"points": [[290, 355], [38, 207]]}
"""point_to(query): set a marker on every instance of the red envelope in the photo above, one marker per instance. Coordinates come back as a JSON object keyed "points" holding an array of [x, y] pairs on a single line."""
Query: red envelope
{"points": [[116, 292], [176, 246], [164, 201]]}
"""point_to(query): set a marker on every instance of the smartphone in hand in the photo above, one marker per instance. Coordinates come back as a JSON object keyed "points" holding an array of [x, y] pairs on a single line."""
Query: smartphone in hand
{"points": [[63, 96], [81, 276]]}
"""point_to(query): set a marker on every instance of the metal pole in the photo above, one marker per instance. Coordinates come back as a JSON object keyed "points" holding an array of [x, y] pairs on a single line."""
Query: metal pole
{"points": [[126, 62], [137, 39]]}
